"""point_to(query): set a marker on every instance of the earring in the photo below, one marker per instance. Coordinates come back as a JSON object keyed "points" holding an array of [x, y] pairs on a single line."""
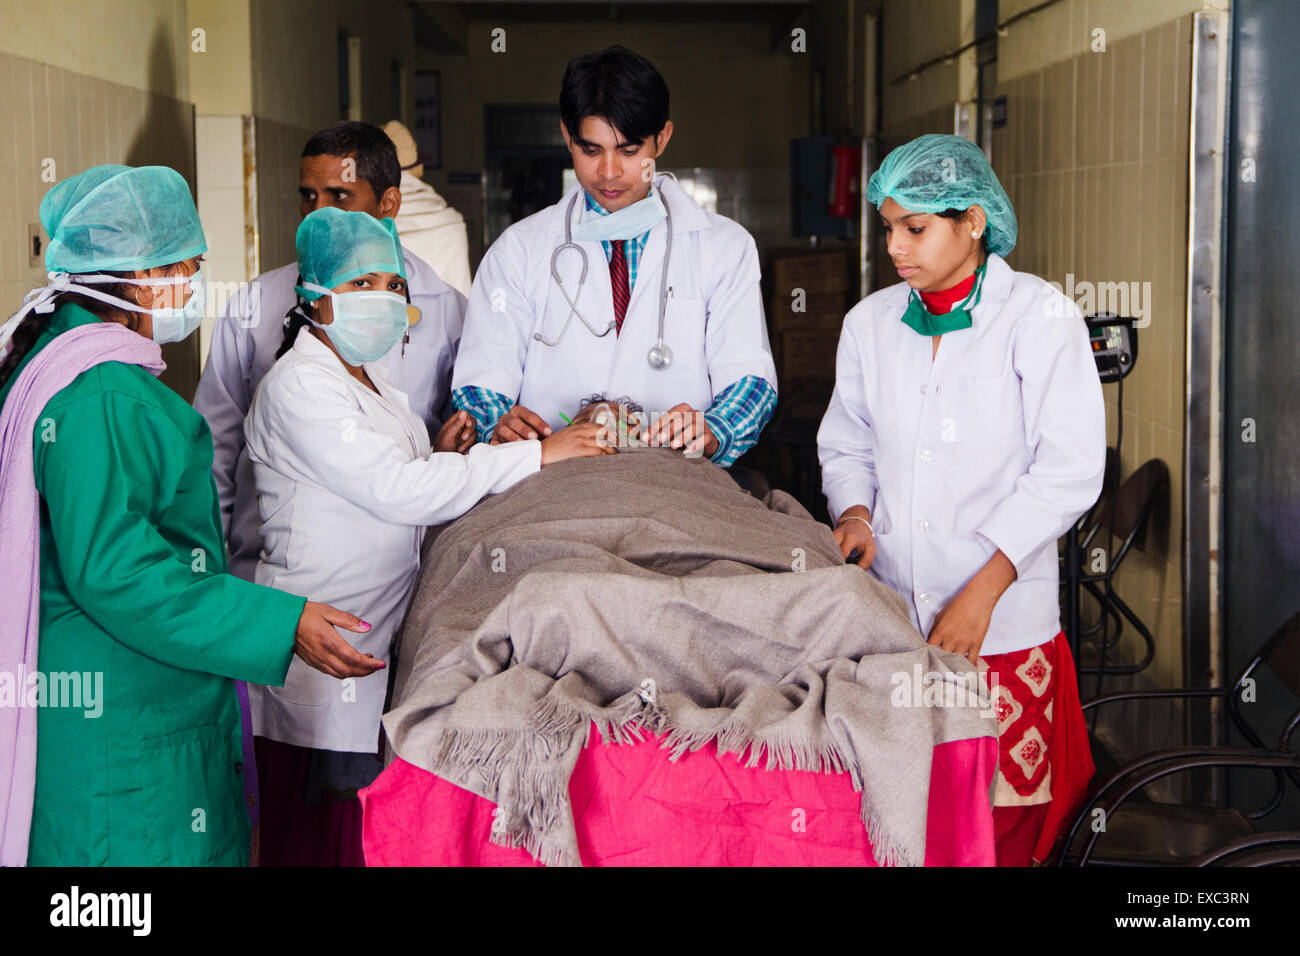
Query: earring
{"points": [[974, 234]]}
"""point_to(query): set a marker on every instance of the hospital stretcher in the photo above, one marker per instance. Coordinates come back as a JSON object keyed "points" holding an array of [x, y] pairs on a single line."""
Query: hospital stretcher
{"points": [[634, 807]]}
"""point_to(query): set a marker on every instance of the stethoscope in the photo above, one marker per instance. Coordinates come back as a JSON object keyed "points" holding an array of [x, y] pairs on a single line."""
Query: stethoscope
{"points": [[660, 355]]}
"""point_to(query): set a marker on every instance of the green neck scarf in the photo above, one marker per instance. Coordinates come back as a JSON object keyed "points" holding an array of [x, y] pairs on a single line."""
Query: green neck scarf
{"points": [[922, 321]]}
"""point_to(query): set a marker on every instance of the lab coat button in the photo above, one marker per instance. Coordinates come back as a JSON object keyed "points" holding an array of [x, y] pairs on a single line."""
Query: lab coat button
{"points": [[923, 390], [925, 454], [925, 597], [924, 525]]}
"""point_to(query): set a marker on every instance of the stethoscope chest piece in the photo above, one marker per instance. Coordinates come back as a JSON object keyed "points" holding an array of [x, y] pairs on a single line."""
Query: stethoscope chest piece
{"points": [[660, 356]]}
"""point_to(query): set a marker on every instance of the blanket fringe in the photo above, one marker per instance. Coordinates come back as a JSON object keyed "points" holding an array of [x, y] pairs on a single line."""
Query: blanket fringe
{"points": [[532, 801], [886, 850], [552, 718], [622, 724]]}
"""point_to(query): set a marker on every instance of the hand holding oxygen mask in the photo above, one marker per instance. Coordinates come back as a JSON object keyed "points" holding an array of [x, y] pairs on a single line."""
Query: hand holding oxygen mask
{"points": [[626, 425]]}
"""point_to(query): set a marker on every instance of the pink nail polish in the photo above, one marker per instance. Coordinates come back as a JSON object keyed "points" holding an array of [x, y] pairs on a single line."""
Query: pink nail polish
{"points": [[366, 625]]}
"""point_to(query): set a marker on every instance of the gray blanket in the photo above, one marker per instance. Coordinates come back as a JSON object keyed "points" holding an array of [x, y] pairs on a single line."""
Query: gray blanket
{"points": [[645, 589]]}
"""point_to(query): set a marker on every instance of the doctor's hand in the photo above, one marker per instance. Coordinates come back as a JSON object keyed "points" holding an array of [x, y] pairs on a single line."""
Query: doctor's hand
{"points": [[685, 428], [457, 433], [577, 441], [519, 424], [321, 647], [853, 535]]}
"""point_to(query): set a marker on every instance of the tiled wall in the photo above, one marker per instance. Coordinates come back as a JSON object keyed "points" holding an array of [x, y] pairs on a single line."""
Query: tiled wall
{"points": [[278, 149], [50, 113], [219, 141], [1094, 157]]}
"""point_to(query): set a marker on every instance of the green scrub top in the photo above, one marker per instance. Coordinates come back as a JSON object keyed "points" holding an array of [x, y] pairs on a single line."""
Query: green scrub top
{"points": [[135, 589]]}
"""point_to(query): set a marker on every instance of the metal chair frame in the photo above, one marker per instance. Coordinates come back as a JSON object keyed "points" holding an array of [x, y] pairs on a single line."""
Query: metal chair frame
{"points": [[1281, 761]]}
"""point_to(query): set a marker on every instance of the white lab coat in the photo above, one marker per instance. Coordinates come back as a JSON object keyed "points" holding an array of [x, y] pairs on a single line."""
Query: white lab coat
{"points": [[345, 487], [714, 322], [1000, 442], [244, 342]]}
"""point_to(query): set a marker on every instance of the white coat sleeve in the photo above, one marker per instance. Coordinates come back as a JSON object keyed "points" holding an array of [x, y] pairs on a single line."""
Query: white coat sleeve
{"points": [[306, 426], [223, 396], [845, 440], [736, 342], [1065, 425], [498, 319]]}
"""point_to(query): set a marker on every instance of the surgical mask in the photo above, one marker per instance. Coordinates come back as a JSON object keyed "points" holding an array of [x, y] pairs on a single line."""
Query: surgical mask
{"points": [[169, 324], [366, 324], [918, 318], [175, 325], [627, 223]]}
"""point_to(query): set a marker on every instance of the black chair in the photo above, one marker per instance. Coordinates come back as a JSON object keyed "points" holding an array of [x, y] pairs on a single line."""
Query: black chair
{"points": [[1258, 849], [1127, 516], [1155, 834], [1088, 519]]}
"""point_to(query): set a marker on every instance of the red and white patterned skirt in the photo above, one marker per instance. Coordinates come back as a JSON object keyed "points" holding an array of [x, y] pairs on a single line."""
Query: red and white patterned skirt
{"points": [[1044, 758]]}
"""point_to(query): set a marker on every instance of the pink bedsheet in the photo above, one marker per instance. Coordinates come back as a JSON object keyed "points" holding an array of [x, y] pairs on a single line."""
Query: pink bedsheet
{"points": [[633, 807]]}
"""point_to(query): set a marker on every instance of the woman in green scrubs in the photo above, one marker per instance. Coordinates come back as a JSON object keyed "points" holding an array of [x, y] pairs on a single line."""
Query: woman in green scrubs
{"points": [[134, 590]]}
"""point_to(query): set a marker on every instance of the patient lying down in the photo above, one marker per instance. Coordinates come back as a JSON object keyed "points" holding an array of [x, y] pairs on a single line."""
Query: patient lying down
{"points": [[645, 589]]}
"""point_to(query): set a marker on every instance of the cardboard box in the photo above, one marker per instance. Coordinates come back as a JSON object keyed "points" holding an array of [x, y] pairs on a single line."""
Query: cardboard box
{"points": [[807, 355], [814, 272], [822, 311]]}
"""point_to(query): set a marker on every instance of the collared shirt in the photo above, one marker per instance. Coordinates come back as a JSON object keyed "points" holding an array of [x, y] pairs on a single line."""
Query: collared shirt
{"points": [[631, 248], [995, 441]]}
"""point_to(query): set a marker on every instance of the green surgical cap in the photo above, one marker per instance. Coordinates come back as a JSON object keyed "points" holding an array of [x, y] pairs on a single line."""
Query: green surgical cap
{"points": [[119, 218], [934, 172], [335, 246]]}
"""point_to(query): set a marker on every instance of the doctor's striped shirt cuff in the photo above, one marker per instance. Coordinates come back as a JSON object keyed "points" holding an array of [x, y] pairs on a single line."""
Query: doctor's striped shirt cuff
{"points": [[484, 405], [738, 415]]}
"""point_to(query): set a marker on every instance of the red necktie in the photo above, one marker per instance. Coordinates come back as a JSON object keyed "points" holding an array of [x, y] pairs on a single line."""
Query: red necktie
{"points": [[618, 281]]}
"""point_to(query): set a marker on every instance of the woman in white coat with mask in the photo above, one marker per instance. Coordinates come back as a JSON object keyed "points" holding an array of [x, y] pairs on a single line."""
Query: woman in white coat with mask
{"points": [[965, 434], [346, 483]]}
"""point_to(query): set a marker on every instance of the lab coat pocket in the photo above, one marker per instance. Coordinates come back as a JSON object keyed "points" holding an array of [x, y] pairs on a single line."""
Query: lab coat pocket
{"points": [[982, 411], [191, 793]]}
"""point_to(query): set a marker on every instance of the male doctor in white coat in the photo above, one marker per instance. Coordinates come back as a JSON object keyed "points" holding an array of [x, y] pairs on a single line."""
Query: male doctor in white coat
{"points": [[547, 329], [352, 166]]}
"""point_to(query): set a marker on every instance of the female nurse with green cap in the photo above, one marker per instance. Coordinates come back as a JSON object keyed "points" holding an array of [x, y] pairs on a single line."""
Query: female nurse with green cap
{"points": [[121, 634], [965, 434]]}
